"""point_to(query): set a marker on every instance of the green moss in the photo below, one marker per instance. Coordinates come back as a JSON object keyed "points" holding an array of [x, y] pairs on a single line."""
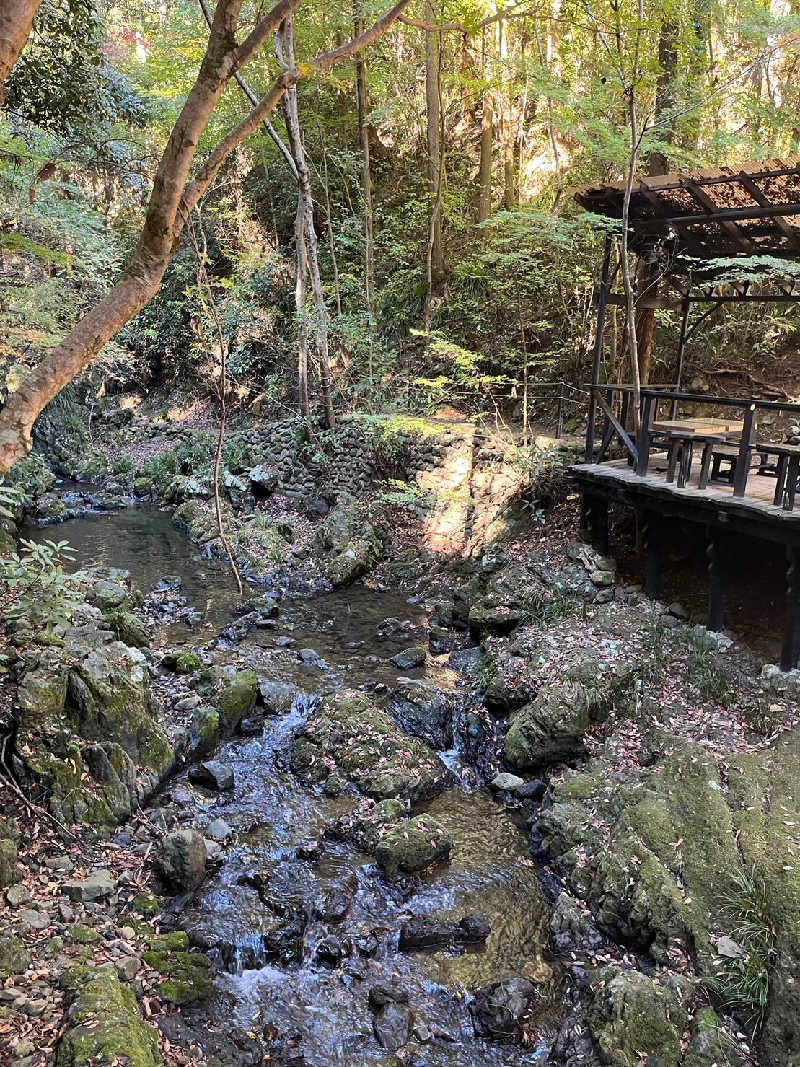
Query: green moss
{"points": [[186, 973], [205, 730], [107, 1026], [146, 905], [8, 862], [13, 956], [237, 699], [128, 628], [83, 935]]}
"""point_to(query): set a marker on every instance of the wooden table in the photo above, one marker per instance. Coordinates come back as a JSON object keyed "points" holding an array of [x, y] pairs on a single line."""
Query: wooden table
{"points": [[700, 427]]}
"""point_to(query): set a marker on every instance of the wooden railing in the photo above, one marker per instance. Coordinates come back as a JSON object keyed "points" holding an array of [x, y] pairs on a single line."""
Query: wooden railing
{"points": [[615, 403]]}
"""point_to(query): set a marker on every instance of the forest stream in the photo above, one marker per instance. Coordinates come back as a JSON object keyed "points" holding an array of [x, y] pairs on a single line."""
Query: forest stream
{"points": [[301, 926]]}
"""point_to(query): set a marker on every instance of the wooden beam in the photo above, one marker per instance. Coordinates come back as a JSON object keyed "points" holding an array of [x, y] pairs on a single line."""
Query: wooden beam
{"points": [[747, 183], [705, 201]]}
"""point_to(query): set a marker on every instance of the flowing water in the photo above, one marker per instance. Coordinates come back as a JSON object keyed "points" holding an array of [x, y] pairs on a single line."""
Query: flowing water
{"points": [[301, 926]]}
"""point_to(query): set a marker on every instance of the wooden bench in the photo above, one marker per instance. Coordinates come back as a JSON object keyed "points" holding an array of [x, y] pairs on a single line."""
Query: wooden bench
{"points": [[786, 469], [680, 445]]}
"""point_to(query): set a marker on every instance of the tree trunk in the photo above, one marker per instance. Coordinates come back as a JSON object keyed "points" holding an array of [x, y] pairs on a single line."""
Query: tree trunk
{"points": [[305, 208], [648, 274], [172, 200], [485, 173], [366, 184], [300, 290], [433, 121], [16, 21]]}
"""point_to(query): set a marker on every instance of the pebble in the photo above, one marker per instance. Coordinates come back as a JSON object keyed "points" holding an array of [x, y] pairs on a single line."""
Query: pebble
{"points": [[128, 968], [218, 830]]}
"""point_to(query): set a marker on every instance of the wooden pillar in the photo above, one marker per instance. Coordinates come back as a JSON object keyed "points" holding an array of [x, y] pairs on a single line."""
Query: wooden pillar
{"points": [[745, 451], [602, 297], [654, 554], [790, 653], [686, 306], [717, 579], [594, 520]]}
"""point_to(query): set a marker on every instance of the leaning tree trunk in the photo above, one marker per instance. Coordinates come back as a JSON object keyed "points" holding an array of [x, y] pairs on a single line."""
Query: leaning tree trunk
{"points": [[172, 200], [16, 21], [433, 121]]}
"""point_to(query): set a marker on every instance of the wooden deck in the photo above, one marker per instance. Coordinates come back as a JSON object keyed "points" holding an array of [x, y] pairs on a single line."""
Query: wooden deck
{"points": [[753, 514]]}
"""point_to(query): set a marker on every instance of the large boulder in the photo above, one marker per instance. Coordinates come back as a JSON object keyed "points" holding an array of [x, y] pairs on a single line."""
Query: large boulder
{"points": [[636, 1018], [423, 711], [106, 1026], [551, 727], [350, 739], [659, 854], [181, 859], [346, 544]]}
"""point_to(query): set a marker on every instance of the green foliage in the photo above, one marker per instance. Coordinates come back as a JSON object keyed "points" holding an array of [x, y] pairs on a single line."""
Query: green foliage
{"points": [[706, 676], [36, 575], [743, 984]]}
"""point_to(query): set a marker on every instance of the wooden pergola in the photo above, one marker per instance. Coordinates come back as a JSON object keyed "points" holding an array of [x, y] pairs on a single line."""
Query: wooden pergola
{"points": [[693, 229], [686, 221]]}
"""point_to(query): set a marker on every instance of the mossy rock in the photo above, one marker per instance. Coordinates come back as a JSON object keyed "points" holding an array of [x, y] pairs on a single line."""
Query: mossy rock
{"points": [[365, 826], [13, 956], [635, 1017], [83, 935], [181, 662], [146, 904], [205, 730], [411, 845], [8, 862], [50, 508], [350, 737], [237, 699], [107, 1026], [710, 1044], [185, 972], [128, 628]]}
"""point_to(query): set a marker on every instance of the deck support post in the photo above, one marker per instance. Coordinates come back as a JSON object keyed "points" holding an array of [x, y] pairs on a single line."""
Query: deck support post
{"points": [[594, 520], [790, 653], [745, 452], [716, 580], [601, 295], [654, 554]]}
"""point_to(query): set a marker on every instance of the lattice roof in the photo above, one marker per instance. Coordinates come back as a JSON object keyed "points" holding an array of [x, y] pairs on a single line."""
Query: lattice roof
{"points": [[706, 214]]}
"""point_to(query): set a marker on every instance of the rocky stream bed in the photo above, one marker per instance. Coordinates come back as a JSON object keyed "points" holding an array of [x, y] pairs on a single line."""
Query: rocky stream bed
{"points": [[494, 810]]}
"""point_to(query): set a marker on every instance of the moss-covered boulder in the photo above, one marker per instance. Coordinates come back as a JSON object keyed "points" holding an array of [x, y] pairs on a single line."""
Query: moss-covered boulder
{"points": [[685, 851], [369, 822], [49, 508], [181, 662], [346, 544], [710, 1045], [107, 594], [236, 699], [107, 1027], [636, 1018], [350, 738], [410, 845], [551, 727]]}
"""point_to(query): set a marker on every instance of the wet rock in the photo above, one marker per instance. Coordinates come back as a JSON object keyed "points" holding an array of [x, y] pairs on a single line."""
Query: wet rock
{"points": [[237, 699], [219, 830], [634, 1017], [387, 993], [181, 662], [113, 1026], [443, 640], [212, 775], [710, 1044], [251, 727], [181, 859], [498, 1009], [310, 657], [533, 790], [506, 782], [411, 845], [410, 658], [98, 886], [392, 1026], [277, 697], [425, 932], [423, 711], [350, 737], [571, 926], [330, 949], [309, 850]]}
